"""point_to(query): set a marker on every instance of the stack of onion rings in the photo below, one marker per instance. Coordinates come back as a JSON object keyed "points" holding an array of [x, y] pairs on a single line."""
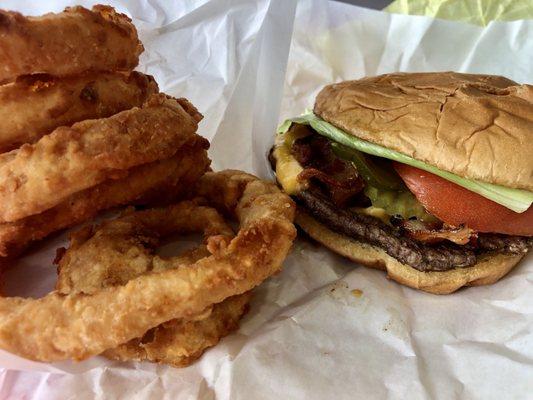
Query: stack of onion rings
{"points": [[84, 133], [105, 313], [37, 177], [159, 182], [81, 131], [73, 173]]}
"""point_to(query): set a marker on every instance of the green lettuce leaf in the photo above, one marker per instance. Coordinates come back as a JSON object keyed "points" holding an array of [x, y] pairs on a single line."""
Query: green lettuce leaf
{"points": [[515, 199]]}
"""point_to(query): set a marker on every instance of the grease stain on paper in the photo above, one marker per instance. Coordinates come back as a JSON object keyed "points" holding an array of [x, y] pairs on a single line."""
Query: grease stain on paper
{"points": [[396, 325], [340, 292]]}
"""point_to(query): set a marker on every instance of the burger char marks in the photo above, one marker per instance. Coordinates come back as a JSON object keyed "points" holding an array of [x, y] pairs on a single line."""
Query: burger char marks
{"points": [[372, 230], [440, 257], [504, 243]]}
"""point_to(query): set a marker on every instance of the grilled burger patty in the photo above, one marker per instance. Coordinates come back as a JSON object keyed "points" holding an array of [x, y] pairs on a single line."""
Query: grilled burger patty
{"points": [[441, 257]]}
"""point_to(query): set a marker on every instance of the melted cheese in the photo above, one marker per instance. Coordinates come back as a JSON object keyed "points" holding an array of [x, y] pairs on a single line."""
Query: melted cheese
{"points": [[375, 212], [287, 167]]}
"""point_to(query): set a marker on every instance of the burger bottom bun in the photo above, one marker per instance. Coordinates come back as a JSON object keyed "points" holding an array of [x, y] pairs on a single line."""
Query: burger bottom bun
{"points": [[489, 268]]}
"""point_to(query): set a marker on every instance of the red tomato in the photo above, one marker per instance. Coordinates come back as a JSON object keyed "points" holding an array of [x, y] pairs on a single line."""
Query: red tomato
{"points": [[456, 205]]}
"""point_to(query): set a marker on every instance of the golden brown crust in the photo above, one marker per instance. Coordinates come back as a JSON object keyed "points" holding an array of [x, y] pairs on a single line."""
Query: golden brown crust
{"points": [[37, 177], [77, 326], [35, 105], [488, 270], [67, 43], [180, 342], [157, 183], [119, 250], [176, 342], [476, 126]]}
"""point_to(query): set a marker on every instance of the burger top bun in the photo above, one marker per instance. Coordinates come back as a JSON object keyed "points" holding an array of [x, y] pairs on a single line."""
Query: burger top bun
{"points": [[476, 126]]}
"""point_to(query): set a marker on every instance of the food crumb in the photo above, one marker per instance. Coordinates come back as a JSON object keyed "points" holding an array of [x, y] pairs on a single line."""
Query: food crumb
{"points": [[357, 292]]}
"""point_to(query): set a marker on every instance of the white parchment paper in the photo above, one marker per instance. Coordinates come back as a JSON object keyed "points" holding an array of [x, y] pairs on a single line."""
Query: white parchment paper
{"points": [[307, 336]]}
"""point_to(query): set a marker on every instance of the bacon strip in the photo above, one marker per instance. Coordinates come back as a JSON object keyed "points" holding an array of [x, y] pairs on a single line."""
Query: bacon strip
{"points": [[337, 177], [430, 233]]}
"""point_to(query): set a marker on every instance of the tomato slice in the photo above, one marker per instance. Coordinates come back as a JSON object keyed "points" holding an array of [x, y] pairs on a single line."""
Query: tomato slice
{"points": [[456, 205]]}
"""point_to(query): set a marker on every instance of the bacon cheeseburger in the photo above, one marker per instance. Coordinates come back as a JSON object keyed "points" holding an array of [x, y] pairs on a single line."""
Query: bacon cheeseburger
{"points": [[428, 176]]}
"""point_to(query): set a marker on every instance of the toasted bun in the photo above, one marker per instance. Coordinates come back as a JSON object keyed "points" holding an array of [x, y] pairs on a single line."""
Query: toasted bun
{"points": [[476, 126], [489, 269]]}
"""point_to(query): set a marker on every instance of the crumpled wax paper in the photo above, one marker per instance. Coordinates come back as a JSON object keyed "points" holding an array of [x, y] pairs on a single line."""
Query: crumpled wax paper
{"points": [[323, 328], [479, 12]]}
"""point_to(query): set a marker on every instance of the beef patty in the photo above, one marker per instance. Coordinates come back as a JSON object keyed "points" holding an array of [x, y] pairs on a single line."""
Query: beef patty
{"points": [[440, 257]]}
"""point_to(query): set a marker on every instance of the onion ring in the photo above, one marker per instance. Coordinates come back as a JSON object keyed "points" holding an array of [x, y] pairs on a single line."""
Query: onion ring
{"points": [[67, 43], [177, 342], [35, 105], [58, 326], [122, 249], [37, 177], [157, 183]]}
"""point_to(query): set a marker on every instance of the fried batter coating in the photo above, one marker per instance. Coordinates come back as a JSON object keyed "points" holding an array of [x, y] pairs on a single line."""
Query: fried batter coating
{"points": [[77, 326], [122, 249], [154, 183], [177, 342], [34, 106], [67, 43], [37, 177], [180, 342]]}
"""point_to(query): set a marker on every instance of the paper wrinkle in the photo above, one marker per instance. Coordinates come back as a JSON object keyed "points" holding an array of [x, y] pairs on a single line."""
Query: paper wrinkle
{"points": [[322, 328]]}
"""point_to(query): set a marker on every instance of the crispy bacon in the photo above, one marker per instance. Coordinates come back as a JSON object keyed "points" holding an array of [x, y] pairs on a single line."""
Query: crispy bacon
{"points": [[332, 174], [432, 233], [340, 191]]}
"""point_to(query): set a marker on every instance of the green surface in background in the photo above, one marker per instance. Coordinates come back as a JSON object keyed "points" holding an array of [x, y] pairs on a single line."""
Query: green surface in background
{"points": [[479, 12]]}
